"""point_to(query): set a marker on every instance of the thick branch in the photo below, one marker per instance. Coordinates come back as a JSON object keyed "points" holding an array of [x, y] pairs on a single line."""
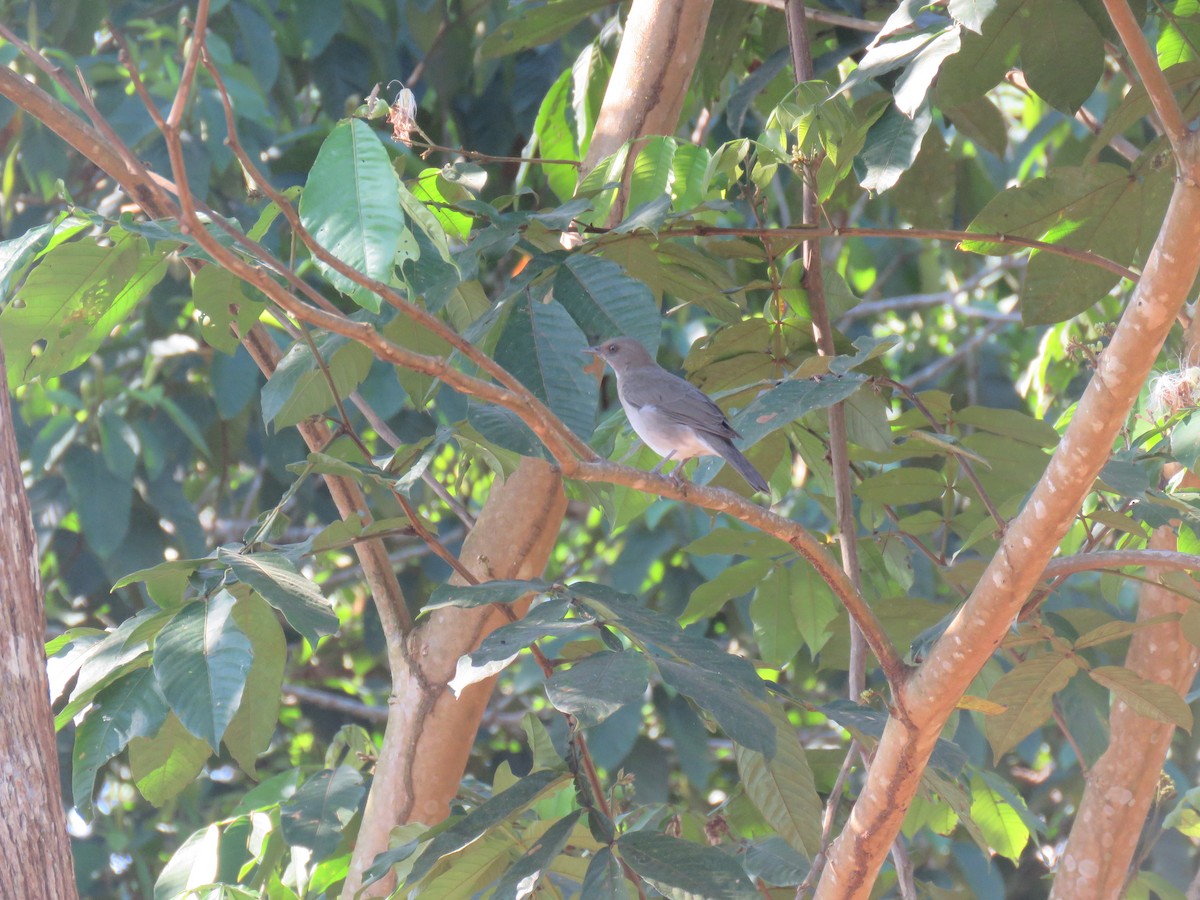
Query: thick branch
{"points": [[1027, 547], [1153, 79]]}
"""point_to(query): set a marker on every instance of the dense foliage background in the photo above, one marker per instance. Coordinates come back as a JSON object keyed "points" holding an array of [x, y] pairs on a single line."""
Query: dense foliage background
{"points": [[192, 716]]}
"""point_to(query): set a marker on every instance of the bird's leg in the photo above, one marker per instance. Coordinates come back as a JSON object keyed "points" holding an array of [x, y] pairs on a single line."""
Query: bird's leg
{"points": [[657, 470], [679, 476], [633, 448]]}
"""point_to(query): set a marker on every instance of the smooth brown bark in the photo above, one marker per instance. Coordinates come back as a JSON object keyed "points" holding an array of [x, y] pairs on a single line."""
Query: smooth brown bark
{"points": [[659, 51], [33, 826], [430, 733]]}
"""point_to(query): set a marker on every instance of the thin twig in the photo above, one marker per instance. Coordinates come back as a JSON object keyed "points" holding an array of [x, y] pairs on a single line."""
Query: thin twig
{"points": [[969, 469]]}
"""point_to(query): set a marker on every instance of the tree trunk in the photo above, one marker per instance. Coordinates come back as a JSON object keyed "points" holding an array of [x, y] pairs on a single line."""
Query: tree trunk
{"points": [[33, 827], [430, 732]]}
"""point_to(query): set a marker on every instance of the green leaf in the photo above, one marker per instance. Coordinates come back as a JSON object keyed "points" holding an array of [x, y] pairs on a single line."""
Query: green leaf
{"points": [[165, 764], [544, 349], [775, 626], [649, 627], [1028, 691], [787, 402], [350, 206], [604, 877], [555, 139], [1062, 53], [130, 708], [17, 254], [892, 145], [775, 862], [911, 90], [984, 58], [253, 725], [1002, 827], [193, 865], [116, 654], [102, 500], [298, 388], [522, 878], [733, 581], [904, 485], [225, 307], [605, 302], [534, 25], [733, 707], [73, 300], [1147, 698], [484, 817], [971, 13], [472, 595], [273, 576], [672, 866], [201, 660], [596, 687], [317, 814], [501, 647], [652, 171], [782, 787], [980, 121]]}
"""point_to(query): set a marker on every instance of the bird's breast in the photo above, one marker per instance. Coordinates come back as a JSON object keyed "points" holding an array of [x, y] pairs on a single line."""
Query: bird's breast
{"points": [[665, 435]]}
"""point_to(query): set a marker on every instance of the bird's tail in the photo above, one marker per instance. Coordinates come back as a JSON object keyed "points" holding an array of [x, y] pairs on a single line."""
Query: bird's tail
{"points": [[735, 458]]}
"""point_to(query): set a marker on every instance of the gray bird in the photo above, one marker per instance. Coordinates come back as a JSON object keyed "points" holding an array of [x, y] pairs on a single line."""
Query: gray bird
{"points": [[672, 416]]}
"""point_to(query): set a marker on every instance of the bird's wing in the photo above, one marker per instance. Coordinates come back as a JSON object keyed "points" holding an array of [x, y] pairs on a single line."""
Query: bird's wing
{"points": [[679, 401]]}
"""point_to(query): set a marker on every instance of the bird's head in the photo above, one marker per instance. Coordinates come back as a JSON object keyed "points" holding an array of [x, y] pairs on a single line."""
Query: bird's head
{"points": [[622, 353]]}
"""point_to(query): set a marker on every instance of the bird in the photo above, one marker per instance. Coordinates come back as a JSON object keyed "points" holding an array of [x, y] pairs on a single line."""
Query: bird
{"points": [[672, 416]]}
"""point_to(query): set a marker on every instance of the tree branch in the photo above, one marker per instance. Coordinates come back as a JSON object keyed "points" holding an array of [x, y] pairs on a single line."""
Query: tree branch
{"points": [[1146, 64], [1031, 539]]}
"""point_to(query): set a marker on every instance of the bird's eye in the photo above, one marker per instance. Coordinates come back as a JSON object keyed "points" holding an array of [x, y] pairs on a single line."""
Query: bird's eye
{"points": [[612, 348]]}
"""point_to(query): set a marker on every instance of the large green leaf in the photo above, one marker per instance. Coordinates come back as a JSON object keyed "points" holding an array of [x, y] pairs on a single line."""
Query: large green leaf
{"points": [[273, 576], [782, 787], [299, 388], [734, 708], [485, 594], [1086, 208], [351, 207], [787, 402], [534, 25], [1001, 825], [661, 632], [201, 660], [165, 764], [193, 865], [984, 58], [250, 731], [604, 877], [596, 687], [102, 499], [605, 302], [317, 814], [132, 707], [681, 868], [1147, 698], [1027, 690], [543, 347], [891, 147], [1062, 53], [522, 878], [556, 138], [484, 817], [72, 301]]}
